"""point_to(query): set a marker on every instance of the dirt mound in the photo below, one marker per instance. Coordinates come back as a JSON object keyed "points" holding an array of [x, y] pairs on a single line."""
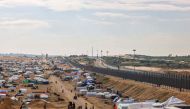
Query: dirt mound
{"points": [[40, 104], [6, 104], [141, 91]]}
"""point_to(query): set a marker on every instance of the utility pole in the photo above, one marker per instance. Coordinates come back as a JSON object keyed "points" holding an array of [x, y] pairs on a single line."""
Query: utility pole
{"points": [[97, 54], [107, 52], [107, 58], [101, 53], [87, 52], [118, 62], [134, 53]]}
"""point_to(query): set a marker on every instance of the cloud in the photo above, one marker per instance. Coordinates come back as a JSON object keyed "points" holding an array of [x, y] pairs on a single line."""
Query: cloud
{"points": [[56, 5], [185, 2], [115, 17], [129, 5], [7, 23], [110, 14], [94, 21], [119, 15], [140, 5], [174, 19]]}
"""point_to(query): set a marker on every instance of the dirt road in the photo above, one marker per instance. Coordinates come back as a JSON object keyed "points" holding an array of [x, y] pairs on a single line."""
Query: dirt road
{"points": [[58, 86]]}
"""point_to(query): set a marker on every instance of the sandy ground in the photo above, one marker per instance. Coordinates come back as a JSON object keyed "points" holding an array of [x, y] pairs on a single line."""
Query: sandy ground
{"points": [[59, 86], [156, 69], [18, 59], [149, 69], [142, 91]]}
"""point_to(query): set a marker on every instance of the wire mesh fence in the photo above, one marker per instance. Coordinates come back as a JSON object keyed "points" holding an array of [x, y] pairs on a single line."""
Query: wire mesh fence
{"points": [[160, 79]]}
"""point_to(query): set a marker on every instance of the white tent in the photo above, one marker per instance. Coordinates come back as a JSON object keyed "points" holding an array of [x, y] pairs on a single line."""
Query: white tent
{"points": [[23, 90], [44, 96], [170, 102], [173, 101], [2, 96]]}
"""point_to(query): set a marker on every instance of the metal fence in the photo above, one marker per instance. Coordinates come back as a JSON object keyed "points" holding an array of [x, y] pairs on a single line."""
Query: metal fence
{"points": [[160, 79]]}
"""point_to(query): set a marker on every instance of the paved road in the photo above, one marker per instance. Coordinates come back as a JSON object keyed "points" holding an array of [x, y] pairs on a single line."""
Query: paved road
{"points": [[100, 63]]}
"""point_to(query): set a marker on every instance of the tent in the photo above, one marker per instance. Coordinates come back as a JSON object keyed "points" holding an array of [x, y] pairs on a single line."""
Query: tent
{"points": [[44, 96], [3, 91], [171, 101], [2, 96], [22, 90], [26, 81]]}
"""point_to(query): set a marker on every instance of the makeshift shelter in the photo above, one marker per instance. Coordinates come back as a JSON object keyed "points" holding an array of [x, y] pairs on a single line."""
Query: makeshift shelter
{"points": [[26, 81]]}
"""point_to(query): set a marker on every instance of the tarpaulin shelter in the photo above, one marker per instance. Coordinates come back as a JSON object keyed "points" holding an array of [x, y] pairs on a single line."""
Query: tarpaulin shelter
{"points": [[26, 81]]}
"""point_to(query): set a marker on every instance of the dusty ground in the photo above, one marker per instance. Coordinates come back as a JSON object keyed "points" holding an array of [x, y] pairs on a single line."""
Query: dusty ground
{"points": [[59, 86], [150, 69], [159, 70], [18, 59], [141, 91]]}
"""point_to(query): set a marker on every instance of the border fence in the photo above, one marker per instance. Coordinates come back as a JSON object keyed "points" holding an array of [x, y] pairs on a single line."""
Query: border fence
{"points": [[160, 79]]}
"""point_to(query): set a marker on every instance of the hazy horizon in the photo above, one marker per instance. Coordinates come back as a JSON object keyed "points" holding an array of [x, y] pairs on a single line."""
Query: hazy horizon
{"points": [[67, 27]]}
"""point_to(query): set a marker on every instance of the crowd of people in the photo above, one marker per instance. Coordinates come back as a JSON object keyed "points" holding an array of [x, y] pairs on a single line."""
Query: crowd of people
{"points": [[72, 105]]}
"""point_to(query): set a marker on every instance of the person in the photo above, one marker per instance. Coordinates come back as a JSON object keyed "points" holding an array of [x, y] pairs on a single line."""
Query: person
{"points": [[19, 99], [70, 105], [73, 105], [45, 106], [21, 106], [93, 107], [115, 106], [75, 97], [80, 107], [86, 107], [47, 90]]}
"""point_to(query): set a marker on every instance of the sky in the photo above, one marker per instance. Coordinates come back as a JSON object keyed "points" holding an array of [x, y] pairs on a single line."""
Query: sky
{"points": [[65, 27]]}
